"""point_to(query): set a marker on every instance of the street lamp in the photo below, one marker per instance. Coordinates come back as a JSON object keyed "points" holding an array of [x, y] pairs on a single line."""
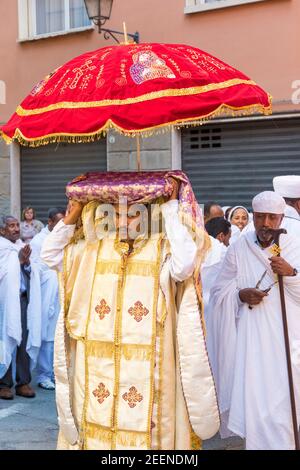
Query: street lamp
{"points": [[99, 12]]}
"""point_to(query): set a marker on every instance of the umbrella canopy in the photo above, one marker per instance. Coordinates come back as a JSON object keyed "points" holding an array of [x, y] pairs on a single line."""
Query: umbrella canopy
{"points": [[135, 89]]}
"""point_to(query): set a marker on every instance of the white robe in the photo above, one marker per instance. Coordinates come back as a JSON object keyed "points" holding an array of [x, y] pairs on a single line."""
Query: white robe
{"points": [[10, 310], [235, 234], [291, 221], [210, 269], [246, 347], [49, 288]]}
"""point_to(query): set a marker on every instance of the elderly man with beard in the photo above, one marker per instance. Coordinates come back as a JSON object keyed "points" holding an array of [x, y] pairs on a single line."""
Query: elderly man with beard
{"points": [[19, 322], [245, 332]]}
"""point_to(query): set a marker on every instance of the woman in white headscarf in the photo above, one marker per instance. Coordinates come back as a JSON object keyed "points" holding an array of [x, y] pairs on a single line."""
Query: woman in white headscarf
{"points": [[239, 218]]}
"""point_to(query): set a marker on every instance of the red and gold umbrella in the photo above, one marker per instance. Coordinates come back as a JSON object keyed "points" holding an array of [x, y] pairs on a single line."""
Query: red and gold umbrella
{"points": [[135, 89]]}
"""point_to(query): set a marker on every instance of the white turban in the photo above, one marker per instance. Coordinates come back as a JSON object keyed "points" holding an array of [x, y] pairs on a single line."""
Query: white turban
{"points": [[287, 186], [268, 202]]}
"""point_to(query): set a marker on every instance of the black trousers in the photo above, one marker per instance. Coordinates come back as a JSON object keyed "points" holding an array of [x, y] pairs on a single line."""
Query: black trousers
{"points": [[23, 375]]}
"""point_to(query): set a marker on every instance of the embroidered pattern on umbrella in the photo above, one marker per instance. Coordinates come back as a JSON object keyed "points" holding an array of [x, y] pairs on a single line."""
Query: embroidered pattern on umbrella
{"points": [[135, 89]]}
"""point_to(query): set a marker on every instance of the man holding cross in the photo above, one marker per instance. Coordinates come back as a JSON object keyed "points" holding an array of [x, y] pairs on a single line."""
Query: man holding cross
{"points": [[245, 331]]}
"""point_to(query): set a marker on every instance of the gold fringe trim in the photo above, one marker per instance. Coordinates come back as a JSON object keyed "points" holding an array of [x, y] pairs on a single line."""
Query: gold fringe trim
{"points": [[77, 138], [171, 92], [136, 352], [78, 235], [196, 442], [117, 350], [123, 438], [162, 320], [153, 340], [135, 268], [161, 334], [140, 268], [68, 295], [101, 349], [7, 140], [88, 217], [83, 426], [107, 267]]}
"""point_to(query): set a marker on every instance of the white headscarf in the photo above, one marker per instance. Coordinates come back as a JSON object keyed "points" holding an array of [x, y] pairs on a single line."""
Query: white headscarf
{"points": [[234, 209]]}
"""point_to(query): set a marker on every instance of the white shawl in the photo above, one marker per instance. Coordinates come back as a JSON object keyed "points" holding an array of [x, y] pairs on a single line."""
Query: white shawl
{"points": [[48, 288], [246, 347], [10, 310]]}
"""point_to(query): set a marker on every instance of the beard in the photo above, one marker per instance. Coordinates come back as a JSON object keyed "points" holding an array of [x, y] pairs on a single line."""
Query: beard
{"points": [[265, 235]]}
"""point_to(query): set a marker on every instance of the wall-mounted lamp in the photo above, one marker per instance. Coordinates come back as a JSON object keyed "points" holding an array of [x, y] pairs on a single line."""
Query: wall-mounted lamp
{"points": [[99, 12]]}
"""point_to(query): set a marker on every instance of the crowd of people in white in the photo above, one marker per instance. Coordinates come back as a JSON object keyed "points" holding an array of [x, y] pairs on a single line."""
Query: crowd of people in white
{"points": [[28, 308], [241, 305], [245, 336]]}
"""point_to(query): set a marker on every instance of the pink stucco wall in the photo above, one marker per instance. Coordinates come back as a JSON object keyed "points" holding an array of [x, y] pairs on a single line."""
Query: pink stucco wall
{"points": [[261, 39]]}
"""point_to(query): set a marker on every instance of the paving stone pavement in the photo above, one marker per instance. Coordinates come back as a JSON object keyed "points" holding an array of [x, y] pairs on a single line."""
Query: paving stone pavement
{"points": [[231, 443], [31, 424]]}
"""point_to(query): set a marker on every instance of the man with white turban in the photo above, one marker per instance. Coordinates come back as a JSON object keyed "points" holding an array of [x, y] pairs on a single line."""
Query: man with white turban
{"points": [[245, 333], [289, 188]]}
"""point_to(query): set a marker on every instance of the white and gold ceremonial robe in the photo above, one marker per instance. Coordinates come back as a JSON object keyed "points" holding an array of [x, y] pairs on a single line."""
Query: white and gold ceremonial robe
{"points": [[136, 373]]}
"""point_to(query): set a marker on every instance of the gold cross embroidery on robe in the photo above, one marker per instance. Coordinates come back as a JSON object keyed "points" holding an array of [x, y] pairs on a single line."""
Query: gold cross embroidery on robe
{"points": [[132, 397], [101, 393], [102, 309], [138, 311]]}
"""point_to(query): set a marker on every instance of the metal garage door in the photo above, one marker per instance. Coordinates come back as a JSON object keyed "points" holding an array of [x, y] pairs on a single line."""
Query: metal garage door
{"points": [[46, 170], [230, 163]]}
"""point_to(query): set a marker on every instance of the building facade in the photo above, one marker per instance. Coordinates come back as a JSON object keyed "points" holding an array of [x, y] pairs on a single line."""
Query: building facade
{"points": [[227, 159]]}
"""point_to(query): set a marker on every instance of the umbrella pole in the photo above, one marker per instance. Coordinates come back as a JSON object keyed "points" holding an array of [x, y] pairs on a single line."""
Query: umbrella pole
{"points": [[138, 153], [125, 33]]}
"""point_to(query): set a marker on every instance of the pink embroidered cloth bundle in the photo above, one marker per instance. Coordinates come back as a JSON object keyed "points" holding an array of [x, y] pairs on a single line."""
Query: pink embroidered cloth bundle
{"points": [[137, 187]]}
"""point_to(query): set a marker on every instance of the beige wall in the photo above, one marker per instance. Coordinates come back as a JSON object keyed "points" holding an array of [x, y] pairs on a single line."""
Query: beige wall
{"points": [[261, 39], [4, 178]]}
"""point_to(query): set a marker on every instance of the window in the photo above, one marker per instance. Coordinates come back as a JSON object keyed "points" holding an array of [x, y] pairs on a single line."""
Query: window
{"points": [[193, 6], [42, 18], [205, 137]]}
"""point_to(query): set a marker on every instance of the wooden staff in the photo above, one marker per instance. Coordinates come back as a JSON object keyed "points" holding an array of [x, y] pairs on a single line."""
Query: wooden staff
{"points": [[277, 234]]}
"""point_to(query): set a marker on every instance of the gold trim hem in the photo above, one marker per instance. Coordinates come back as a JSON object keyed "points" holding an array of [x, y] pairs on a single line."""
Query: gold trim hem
{"points": [[77, 138], [153, 95]]}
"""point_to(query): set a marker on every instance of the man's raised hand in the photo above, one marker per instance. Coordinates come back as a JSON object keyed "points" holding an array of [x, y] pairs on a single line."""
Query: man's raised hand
{"points": [[24, 255], [73, 212], [175, 191]]}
